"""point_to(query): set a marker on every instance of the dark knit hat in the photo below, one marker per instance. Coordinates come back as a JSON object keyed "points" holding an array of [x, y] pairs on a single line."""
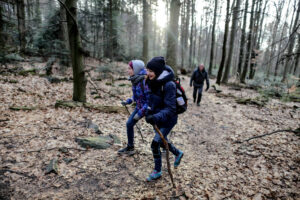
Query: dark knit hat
{"points": [[157, 65]]}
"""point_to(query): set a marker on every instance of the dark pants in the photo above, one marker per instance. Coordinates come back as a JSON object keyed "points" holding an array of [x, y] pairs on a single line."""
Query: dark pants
{"points": [[199, 91], [157, 143], [130, 132]]}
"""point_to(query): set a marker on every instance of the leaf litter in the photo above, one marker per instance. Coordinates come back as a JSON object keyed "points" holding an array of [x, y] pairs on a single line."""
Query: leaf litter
{"points": [[214, 165]]}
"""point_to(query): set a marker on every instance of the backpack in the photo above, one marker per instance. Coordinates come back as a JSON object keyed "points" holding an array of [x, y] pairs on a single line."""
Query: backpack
{"points": [[181, 99]]}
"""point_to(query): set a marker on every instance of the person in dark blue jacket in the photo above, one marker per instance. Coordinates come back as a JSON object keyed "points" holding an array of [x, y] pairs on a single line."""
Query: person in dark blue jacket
{"points": [[197, 79], [162, 110]]}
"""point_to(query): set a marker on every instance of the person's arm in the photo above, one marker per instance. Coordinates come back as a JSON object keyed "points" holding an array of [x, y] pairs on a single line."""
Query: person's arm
{"points": [[192, 79], [169, 102]]}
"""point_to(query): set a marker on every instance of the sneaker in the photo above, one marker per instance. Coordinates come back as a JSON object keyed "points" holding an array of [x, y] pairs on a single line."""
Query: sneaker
{"points": [[127, 150], [198, 104], [154, 175], [178, 159]]}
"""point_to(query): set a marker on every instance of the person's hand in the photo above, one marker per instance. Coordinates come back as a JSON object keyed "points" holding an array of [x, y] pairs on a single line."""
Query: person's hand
{"points": [[150, 119], [207, 89], [124, 103], [136, 117], [191, 85]]}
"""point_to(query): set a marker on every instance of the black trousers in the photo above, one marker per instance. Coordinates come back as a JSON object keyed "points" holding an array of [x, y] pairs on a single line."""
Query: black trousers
{"points": [[197, 91]]}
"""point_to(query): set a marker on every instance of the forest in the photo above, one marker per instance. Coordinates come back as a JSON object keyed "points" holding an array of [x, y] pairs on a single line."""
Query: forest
{"points": [[64, 74]]}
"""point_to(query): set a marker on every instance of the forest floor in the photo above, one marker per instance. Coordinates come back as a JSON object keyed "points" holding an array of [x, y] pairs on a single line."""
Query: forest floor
{"points": [[215, 164]]}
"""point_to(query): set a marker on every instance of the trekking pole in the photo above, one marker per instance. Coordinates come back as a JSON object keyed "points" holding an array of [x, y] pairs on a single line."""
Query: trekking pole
{"points": [[136, 126], [167, 153]]}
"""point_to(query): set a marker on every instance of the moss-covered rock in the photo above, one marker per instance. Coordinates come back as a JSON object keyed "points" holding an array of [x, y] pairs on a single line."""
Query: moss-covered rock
{"points": [[100, 142]]}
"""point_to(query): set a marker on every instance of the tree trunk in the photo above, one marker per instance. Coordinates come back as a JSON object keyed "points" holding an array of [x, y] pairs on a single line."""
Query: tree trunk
{"points": [[21, 24], [232, 38], [182, 33], [243, 38], [172, 39], [191, 35], [297, 59], [273, 38], [249, 45], [211, 60], [79, 79], [146, 19], [64, 27], [220, 71], [187, 23], [199, 41], [291, 44]]}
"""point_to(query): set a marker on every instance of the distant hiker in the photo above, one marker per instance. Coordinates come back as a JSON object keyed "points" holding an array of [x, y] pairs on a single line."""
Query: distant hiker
{"points": [[197, 79], [162, 110], [137, 73]]}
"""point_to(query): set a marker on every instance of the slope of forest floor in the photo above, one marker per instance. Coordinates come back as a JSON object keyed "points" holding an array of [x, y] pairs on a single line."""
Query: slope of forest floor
{"points": [[215, 165]]}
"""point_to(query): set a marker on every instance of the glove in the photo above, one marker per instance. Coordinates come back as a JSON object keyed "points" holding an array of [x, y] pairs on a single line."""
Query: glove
{"points": [[207, 88], [150, 119], [124, 103], [136, 117], [191, 85]]}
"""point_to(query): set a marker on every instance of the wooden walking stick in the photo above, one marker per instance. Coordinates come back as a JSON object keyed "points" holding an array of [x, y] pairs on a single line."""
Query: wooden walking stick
{"points": [[167, 153]]}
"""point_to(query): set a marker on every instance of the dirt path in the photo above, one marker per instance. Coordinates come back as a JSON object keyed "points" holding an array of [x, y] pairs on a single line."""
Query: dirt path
{"points": [[214, 165]]}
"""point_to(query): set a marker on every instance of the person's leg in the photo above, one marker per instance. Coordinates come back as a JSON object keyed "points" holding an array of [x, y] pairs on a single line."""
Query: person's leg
{"points": [[195, 94], [199, 95], [130, 135], [130, 128]]}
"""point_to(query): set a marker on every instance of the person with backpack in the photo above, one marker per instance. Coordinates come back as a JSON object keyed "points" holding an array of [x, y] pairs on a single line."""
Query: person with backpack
{"points": [[197, 79], [137, 73], [162, 110]]}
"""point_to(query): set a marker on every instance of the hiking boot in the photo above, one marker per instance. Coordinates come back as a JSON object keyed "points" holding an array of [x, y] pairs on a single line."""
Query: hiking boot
{"points": [[178, 159], [198, 104], [154, 175], [127, 150]]}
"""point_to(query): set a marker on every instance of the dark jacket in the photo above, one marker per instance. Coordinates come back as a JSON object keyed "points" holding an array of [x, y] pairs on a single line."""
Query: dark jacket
{"points": [[198, 78], [162, 101]]}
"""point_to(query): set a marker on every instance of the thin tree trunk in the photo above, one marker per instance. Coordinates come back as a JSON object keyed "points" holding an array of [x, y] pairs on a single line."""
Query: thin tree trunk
{"points": [[243, 39], [211, 60], [191, 35], [232, 38], [187, 23], [182, 34], [199, 41], [79, 79], [291, 44], [21, 24], [64, 28], [249, 44], [173, 35], [220, 71], [146, 19]]}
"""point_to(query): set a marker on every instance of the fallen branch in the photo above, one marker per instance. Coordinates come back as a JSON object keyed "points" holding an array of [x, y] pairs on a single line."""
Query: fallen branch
{"points": [[101, 108], [50, 149], [2, 171], [296, 131]]}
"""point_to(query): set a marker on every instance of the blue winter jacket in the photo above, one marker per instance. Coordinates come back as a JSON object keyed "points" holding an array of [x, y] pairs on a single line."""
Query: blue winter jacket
{"points": [[140, 93], [163, 102]]}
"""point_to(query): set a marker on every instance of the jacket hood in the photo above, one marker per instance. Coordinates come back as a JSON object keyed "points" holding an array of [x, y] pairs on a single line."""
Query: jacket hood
{"points": [[166, 76]]}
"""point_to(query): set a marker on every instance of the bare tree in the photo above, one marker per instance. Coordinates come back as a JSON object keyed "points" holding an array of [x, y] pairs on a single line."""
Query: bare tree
{"points": [[291, 44], [220, 71], [79, 79], [146, 19], [249, 44], [21, 24], [232, 38], [211, 60], [173, 34]]}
